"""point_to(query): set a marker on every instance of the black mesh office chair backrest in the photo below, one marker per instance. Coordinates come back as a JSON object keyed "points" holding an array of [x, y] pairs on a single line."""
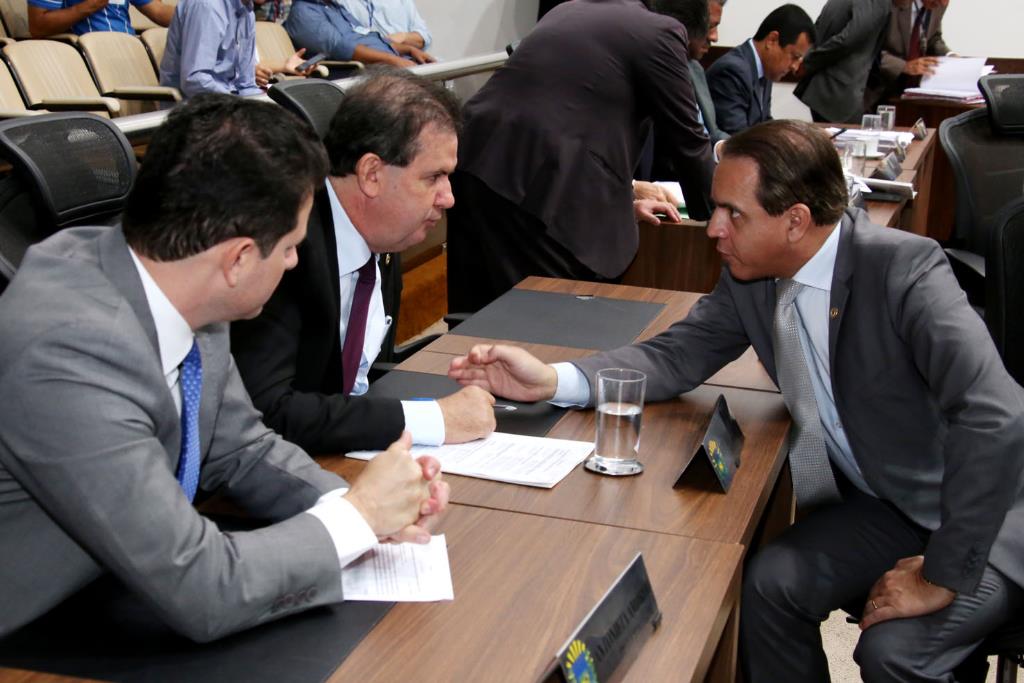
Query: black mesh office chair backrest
{"points": [[1004, 94], [1004, 281], [69, 169], [314, 100], [988, 170]]}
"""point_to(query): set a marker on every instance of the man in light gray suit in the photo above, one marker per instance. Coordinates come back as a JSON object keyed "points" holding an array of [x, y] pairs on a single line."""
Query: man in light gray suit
{"points": [[125, 400], [913, 44], [919, 429], [850, 34], [699, 48]]}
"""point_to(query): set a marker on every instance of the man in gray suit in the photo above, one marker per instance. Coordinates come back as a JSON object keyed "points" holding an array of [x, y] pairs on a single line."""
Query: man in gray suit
{"points": [[913, 43], [114, 343], [907, 448], [850, 34], [741, 80], [699, 48]]}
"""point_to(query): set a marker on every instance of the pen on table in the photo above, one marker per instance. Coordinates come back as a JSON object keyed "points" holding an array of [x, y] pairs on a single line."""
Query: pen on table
{"points": [[497, 406], [838, 133]]}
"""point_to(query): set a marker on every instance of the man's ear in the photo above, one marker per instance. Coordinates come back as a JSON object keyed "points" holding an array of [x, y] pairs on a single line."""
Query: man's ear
{"points": [[772, 39], [369, 174], [798, 222], [237, 257]]}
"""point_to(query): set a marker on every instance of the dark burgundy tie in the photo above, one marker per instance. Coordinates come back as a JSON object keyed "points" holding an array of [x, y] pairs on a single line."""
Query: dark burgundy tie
{"points": [[914, 49], [355, 332]]}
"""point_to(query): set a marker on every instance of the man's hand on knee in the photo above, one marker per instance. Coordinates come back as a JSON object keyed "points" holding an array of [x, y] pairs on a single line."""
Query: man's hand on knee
{"points": [[904, 592]]}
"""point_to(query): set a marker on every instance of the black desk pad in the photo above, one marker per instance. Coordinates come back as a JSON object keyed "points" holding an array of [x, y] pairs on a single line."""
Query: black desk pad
{"points": [[528, 419], [561, 319], [106, 633]]}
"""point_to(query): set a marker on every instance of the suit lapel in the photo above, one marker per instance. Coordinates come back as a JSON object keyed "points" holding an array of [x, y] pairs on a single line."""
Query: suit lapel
{"points": [[748, 51], [840, 290], [117, 264], [322, 252]]}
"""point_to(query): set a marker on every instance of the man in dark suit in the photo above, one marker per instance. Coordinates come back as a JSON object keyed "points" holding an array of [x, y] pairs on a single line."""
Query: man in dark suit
{"points": [[305, 359], [913, 43], [128, 403], [552, 140], [741, 80], [698, 49], [850, 35], [907, 448]]}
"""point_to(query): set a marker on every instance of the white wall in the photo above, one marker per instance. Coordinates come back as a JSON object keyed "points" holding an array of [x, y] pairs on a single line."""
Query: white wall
{"points": [[461, 28], [983, 28]]}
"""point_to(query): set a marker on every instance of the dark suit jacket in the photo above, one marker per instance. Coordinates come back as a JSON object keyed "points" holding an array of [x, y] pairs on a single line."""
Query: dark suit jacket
{"points": [[934, 421], [705, 103], [290, 355], [836, 69], [733, 83], [886, 77], [91, 444], [558, 130]]}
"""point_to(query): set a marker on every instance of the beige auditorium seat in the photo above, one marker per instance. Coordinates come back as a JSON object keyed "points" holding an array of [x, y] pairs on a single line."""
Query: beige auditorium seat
{"points": [[140, 22], [121, 68], [274, 46], [54, 76], [11, 104], [155, 39]]}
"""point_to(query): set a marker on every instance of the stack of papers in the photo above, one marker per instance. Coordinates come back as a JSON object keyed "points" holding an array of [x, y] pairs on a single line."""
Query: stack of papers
{"points": [[886, 136], [526, 460], [400, 572], [955, 78]]}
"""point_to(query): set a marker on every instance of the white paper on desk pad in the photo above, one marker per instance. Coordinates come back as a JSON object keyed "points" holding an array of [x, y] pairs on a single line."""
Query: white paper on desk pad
{"points": [[955, 73], [858, 134], [512, 458], [400, 572]]}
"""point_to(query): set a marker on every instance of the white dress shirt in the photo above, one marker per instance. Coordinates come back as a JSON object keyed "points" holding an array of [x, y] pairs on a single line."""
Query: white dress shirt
{"points": [[349, 532], [813, 310], [423, 419]]}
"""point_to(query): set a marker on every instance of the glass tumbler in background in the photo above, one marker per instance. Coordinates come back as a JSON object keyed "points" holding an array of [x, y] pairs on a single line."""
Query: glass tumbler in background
{"points": [[871, 124], [888, 114]]}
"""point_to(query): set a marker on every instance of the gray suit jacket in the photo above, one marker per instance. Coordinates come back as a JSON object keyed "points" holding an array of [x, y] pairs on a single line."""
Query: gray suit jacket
{"points": [[850, 34], [733, 82], [933, 418], [885, 78], [705, 103], [89, 443]]}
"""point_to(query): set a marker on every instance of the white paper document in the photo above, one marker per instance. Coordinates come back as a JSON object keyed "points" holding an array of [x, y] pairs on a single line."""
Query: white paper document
{"points": [[515, 459], [400, 572], [889, 136], [954, 78], [676, 189]]}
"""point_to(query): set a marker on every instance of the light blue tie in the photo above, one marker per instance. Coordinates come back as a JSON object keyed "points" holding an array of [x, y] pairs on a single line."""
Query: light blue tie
{"points": [[191, 380]]}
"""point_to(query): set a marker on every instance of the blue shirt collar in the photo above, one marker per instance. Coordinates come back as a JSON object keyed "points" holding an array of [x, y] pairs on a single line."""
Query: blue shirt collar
{"points": [[817, 272], [757, 59]]}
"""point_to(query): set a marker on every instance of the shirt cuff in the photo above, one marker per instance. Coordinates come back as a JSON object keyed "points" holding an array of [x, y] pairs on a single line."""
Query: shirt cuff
{"points": [[573, 388], [425, 421], [349, 532]]}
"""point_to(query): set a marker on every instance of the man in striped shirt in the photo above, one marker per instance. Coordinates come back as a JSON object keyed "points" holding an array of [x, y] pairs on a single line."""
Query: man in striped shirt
{"points": [[48, 17]]}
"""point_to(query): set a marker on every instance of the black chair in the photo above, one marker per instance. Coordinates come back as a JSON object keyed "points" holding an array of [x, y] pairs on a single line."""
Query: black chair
{"points": [[1004, 295], [988, 168], [70, 168], [316, 101], [1008, 646], [313, 100], [1004, 94]]}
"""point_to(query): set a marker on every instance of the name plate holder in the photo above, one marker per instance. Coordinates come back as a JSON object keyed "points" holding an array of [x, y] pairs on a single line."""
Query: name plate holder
{"points": [[889, 168], [919, 129], [609, 638], [714, 464]]}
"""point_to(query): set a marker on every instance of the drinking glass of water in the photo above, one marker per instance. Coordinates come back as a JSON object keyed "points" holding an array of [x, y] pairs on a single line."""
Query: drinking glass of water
{"points": [[888, 114], [872, 127], [620, 406]]}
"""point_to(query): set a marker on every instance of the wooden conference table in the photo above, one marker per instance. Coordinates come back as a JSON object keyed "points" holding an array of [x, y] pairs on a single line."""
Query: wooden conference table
{"points": [[539, 529], [681, 256]]}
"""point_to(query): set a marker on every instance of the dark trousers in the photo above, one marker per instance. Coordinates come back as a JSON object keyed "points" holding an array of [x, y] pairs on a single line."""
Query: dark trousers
{"points": [[831, 558], [493, 244]]}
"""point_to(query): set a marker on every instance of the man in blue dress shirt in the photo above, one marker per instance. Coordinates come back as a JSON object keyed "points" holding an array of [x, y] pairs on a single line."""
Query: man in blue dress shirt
{"points": [[323, 26], [398, 21], [49, 17]]}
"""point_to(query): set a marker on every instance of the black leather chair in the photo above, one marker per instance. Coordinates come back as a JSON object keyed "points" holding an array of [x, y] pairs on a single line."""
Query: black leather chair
{"points": [[986, 150], [316, 101], [1004, 296], [70, 168]]}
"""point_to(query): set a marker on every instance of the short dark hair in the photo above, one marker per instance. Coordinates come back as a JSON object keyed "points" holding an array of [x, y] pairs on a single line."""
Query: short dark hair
{"points": [[797, 164], [693, 14], [221, 167], [384, 114], [790, 21]]}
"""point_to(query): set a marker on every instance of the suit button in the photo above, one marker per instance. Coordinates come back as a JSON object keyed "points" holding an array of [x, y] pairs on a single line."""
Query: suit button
{"points": [[311, 594], [288, 601]]}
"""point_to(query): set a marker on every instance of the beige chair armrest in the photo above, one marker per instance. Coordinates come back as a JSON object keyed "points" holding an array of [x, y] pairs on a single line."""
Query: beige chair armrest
{"points": [[108, 104], [146, 92], [69, 38], [19, 113], [351, 63]]}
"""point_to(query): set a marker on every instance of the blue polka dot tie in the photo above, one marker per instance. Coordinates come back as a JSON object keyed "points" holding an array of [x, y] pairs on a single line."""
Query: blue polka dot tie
{"points": [[191, 380]]}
